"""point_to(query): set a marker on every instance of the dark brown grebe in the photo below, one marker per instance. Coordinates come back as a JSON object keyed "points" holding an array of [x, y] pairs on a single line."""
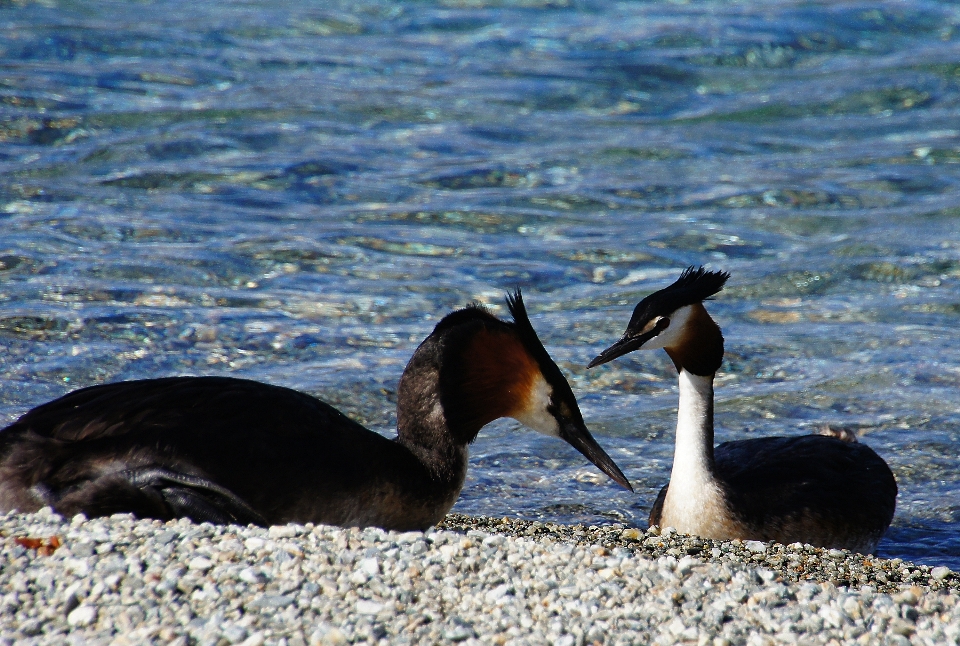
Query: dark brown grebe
{"points": [[823, 490], [228, 450]]}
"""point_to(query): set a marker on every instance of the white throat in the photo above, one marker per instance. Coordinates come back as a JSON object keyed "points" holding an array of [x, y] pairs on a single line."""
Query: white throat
{"points": [[536, 414], [693, 454], [694, 503]]}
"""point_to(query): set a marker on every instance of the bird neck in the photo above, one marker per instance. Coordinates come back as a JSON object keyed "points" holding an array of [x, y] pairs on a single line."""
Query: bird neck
{"points": [[694, 503], [693, 453], [456, 383], [423, 426], [699, 349]]}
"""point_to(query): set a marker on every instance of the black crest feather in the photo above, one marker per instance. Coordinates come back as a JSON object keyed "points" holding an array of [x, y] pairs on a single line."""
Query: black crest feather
{"points": [[695, 285], [534, 346], [525, 329], [699, 284]]}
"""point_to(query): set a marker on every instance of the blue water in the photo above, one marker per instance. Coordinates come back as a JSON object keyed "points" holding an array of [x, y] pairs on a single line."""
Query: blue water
{"points": [[296, 192]]}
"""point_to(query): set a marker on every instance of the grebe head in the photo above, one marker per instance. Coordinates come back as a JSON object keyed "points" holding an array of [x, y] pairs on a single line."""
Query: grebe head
{"points": [[492, 368], [674, 319]]}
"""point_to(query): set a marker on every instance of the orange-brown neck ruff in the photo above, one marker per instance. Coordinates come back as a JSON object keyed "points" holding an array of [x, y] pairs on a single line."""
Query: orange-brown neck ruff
{"points": [[700, 349], [499, 374]]}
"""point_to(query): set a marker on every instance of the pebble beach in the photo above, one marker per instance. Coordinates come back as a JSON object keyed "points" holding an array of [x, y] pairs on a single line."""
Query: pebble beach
{"points": [[119, 581]]}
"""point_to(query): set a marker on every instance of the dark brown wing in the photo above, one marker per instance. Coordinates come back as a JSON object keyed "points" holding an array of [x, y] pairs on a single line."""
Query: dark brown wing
{"points": [[117, 409], [811, 488], [195, 442]]}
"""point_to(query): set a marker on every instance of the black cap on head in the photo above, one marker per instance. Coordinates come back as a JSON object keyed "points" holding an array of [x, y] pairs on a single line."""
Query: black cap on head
{"points": [[693, 286]]}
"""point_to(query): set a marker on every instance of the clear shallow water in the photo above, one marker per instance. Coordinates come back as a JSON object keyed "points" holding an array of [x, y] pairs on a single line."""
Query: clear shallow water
{"points": [[296, 194]]}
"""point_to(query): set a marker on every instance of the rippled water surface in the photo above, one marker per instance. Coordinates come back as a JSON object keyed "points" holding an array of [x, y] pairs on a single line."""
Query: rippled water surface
{"points": [[296, 192]]}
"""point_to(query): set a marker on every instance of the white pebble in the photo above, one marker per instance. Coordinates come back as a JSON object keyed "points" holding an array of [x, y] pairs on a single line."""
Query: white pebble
{"points": [[82, 616], [251, 576], [940, 573], [200, 563], [80, 567], [685, 564], [497, 593], [254, 544], [327, 635], [369, 566], [282, 531], [756, 547], [366, 607]]}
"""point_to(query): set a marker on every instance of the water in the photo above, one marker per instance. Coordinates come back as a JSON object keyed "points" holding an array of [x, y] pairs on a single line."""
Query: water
{"points": [[296, 192]]}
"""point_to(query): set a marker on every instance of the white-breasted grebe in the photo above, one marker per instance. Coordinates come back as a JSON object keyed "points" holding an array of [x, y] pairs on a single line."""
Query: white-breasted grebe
{"points": [[825, 490], [227, 450]]}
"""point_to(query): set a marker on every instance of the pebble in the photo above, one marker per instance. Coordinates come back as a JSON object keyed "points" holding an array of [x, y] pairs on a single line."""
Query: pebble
{"points": [[756, 547], [472, 581], [80, 616]]}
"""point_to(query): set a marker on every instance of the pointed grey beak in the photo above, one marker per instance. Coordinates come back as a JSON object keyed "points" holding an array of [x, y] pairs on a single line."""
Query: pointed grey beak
{"points": [[624, 346], [628, 343], [579, 438]]}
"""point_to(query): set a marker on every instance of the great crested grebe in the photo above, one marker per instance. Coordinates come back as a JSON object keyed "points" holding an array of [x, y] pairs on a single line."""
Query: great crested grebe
{"points": [[828, 491], [228, 450]]}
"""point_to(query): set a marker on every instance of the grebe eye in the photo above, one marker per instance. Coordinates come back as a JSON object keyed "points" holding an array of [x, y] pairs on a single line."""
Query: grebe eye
{"points": [[559, 408], [656, 326]]}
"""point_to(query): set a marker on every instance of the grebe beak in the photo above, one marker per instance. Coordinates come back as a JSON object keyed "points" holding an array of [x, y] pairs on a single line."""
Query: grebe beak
{"points": [[579, 438], [628, 343]]}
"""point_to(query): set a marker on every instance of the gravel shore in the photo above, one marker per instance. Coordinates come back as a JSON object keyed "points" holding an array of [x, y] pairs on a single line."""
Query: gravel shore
{"points": [[794, 563], [475, 580]]}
